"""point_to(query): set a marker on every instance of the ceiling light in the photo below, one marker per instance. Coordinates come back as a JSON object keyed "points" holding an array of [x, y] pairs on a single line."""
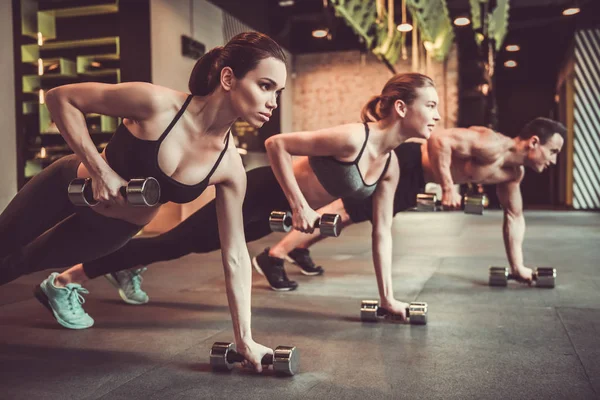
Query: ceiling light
{"points": [[405, 27], [319, 33], [286, 3], [510, 64], [513, 47], [462, 21], [571, 11]]}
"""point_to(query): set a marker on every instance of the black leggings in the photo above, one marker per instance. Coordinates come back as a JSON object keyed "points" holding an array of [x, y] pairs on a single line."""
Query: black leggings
{"points": [[199, 233], [40, 228]]}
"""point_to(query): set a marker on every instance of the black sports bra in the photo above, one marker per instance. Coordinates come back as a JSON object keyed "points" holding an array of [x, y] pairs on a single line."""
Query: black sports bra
{"points": [[131, 157]]}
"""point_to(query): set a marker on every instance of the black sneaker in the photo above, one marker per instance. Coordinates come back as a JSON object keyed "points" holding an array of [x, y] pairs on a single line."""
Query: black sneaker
{"points": [[272, 269], [301, 257]]}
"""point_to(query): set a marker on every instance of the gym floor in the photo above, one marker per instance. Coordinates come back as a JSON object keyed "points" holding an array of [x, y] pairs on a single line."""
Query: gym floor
{"points": [[514, 343]]}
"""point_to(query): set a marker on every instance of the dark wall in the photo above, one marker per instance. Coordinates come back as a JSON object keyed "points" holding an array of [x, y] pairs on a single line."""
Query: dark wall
{"points": [[518, 104], [134, 33], [253, 13]]}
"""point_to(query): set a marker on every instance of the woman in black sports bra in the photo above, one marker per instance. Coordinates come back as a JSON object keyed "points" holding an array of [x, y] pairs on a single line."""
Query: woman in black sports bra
{"points": [[181, 140]]}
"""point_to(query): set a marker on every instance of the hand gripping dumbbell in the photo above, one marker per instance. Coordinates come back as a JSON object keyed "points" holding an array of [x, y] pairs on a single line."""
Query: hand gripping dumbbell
{"points": [[370, 311], [285, 359], [328, 224], [143, 192], [543, 277], [471, 204]]}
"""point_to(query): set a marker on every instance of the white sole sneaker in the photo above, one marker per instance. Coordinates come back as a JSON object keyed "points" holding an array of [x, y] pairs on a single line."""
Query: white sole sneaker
{"points": [[291, 261], [122, 294], [260, 271]]}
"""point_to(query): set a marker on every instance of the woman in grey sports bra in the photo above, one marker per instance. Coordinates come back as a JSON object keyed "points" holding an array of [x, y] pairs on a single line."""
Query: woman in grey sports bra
{"points": [[357, 160]]}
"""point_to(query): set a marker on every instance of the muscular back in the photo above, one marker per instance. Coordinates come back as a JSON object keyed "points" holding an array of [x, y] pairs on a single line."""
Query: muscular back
{"points": [[477, 155]]}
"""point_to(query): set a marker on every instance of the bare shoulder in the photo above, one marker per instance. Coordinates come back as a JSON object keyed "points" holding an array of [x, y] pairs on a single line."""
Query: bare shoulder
{"points": [[485, 133], [164, 98], [349, 137], [352, 133], [159, 97], [482, 130]]}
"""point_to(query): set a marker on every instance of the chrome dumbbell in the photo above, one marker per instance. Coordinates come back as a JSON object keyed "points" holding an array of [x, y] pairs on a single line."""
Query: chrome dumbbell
{"points": [[328, 224], [543, 277], [143, 192], [473, 204], [370, 311], [285, 359]]}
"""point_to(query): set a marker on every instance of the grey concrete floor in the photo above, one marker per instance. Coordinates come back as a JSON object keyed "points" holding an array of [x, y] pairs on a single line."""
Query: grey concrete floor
{"points": [[480, 343]]}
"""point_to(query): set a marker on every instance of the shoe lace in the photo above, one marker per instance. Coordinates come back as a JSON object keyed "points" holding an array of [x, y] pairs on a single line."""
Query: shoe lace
{"points": [[76, 299], [281, 272], [308, 261], [136, 278]]}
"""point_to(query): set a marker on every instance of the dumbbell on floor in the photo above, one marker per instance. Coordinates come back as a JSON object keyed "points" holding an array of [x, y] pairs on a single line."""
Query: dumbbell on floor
{"points": [[370, 311], [143, 192], [543, 277], [473, 204], [328, 224], [285, 359]]}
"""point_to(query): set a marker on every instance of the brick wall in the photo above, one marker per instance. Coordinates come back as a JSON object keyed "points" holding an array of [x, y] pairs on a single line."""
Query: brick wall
{"points": [[331, 88]]}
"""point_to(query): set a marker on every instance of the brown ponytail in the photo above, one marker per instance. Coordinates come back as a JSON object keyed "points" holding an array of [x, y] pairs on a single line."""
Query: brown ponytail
{"points": [[204, 77], [242, 54], [399, 87], [369, 111]]}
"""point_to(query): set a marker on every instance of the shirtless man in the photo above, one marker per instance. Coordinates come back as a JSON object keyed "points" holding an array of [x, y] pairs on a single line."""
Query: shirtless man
{"points": [[454, 156]]}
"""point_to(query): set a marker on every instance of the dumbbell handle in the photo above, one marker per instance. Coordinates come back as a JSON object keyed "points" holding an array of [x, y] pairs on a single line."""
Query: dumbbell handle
{"points": [[89, 193], [287, 222], [234, 356], [517, 277], [438, 205], [383, 312]]}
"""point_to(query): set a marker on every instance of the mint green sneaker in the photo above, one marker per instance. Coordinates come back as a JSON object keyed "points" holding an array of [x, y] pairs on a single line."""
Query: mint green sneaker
{"points": [[65, 303], [129, 285]]}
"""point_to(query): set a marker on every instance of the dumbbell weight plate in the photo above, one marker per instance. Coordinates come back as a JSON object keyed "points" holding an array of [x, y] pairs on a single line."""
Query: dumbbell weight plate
{"points": [[330, 225], [368, 310], [426, 202], [286, 360], [280, 221], [143, 192], [218, 356], [545, 277], [473, 205], [417, 313], [80, 192], [498, 276]]}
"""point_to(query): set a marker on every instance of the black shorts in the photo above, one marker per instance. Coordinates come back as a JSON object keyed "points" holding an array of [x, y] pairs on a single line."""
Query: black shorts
{"points": [[410, 184]]}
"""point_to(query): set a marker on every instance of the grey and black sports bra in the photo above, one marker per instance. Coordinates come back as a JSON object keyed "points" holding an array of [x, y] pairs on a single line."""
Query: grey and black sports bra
{"points": [[343, 178]]}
